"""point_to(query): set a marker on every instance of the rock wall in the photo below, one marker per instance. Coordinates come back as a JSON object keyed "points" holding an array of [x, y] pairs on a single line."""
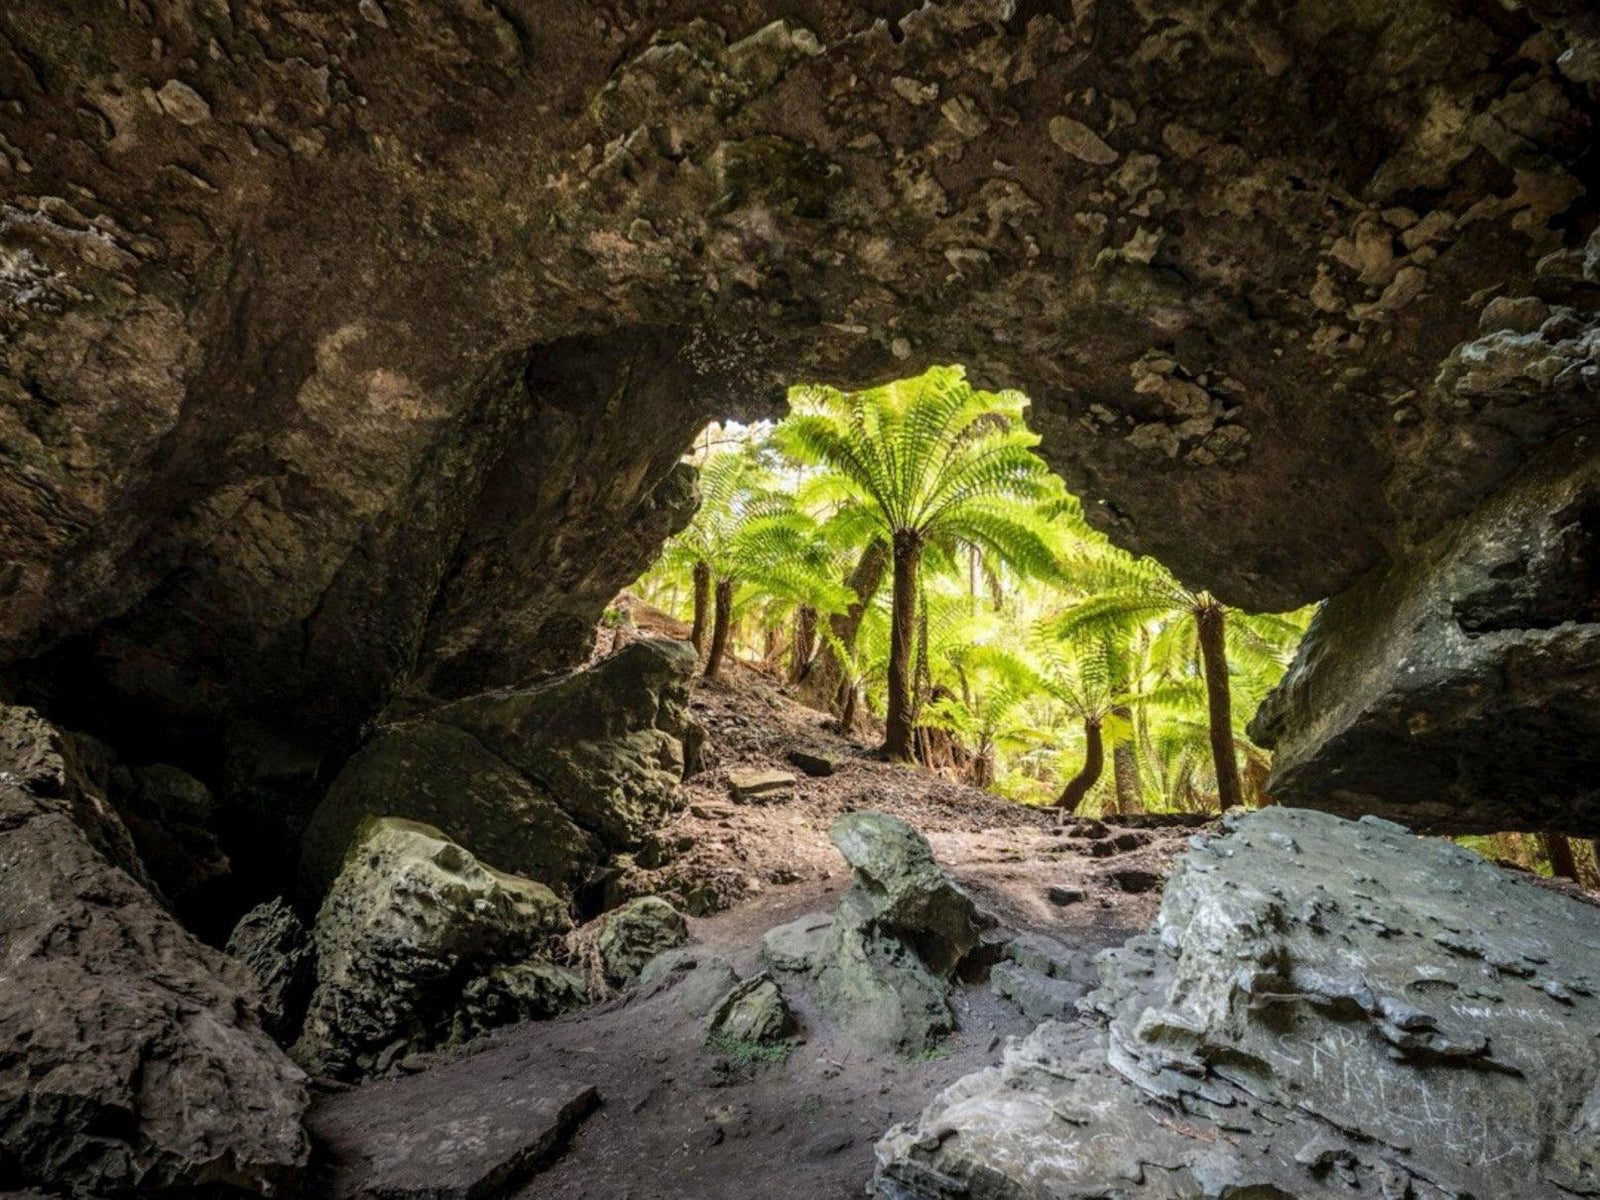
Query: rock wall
{"points": [[1461, 690], [131, 1057], [348, 348], [1323, 1008]]}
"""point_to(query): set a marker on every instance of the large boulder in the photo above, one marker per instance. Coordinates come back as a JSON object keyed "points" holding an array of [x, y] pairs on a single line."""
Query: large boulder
{"points": [[131, 1057], [1422, 692], [275, 944], [1323, 1008], [633, 934], [410, 923], [542, 781], [752, 1011], [902, 928]]}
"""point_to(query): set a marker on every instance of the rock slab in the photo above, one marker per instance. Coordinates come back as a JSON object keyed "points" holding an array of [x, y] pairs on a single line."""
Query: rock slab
{"points": [[753, 785], [131, 1056], [427, 1137], [1323, 1008]]}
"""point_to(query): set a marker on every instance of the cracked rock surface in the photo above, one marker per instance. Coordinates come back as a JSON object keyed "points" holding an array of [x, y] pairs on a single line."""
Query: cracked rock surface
{"points": [[1322, 1007]]}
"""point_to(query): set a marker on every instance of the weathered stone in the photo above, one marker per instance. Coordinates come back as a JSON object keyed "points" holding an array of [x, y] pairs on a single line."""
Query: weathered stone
{"points": [[274, 943], [634, 934], [1061, 895], [541, 781], [432, 1136], [815, 762], [1135, 879], [899, 932], [1040, 997], [794, 946], [525, 991], [1422, 692], [1046, 956], [411, 920], [753, 785], [133, 1061], [696, 979], [1322, 1008], [752, 1011]]}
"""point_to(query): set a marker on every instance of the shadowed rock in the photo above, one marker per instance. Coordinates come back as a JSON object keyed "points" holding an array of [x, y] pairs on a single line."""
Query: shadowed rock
{"points": [[1322, 1008], [634, 934], [274, 943], [132, 1058]]}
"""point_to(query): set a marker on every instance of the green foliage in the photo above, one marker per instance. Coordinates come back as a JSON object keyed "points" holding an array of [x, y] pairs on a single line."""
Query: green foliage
{"points": [[744, 1053]]}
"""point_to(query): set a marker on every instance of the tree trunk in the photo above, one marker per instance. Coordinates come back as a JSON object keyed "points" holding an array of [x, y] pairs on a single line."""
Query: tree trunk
{"points": [[1125, 768], [1093, 760], [702, 605], [824, 682], [983, 768], [897, 742], [805, 642], [1212, 624], [720, 627], [1556, 849], [847, 709]]}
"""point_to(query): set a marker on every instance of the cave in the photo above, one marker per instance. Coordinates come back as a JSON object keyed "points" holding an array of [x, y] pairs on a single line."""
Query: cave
{"points": [[352, 362]]}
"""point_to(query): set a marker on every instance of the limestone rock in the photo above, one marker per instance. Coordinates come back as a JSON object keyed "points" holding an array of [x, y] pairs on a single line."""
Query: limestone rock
{"points": [[751, 1011], [815, 762], [1045, 955], [134, 1062], [1433, 989], [524, 991], [1040, 997], [697, 980], [635, 933], [1419, 692], [753, 785], [542, 781], [794, 945], [899, 932], [274, 943], [409, 923]]}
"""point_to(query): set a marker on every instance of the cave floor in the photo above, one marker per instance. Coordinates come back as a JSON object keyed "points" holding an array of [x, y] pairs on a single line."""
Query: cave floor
{"points": [[678, 1120]]}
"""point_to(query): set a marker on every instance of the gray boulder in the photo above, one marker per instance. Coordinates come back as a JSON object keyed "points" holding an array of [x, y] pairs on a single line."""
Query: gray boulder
{"points": [[752, 1011], [697, 980], [525, 991], [134, 1061], [794, 946], [543, 781], [1323, 1008], [883, 969], [275, 944], [635, 933], [1415, 694], [410, 922], [1040, 997]]}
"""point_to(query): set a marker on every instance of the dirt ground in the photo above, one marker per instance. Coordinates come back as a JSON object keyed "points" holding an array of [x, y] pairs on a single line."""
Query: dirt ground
{"points": [[678, 1121]]}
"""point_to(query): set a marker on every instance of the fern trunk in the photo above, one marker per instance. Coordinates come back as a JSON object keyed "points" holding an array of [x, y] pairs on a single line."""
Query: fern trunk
{"points": [[1094, 761], [1556, 848], [825, 680], [1212, 625], [805, 642], [1125, 768], [897, 742], [702, 606], [720, 627]]}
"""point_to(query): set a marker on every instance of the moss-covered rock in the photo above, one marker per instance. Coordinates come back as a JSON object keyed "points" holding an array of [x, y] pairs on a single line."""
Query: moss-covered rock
{"points": [[634, 934]]}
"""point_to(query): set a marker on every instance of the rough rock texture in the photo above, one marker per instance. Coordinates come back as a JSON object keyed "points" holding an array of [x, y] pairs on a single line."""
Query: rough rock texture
{"points": [[636, 933], [697, 979], [1462, 690], [429, 1138], [754, 785], [794, 946], [170, 815], [275, 944], [752, 1011], [526, 991], [1324, 1008], [543, 782], [410, 922], [130, 1055], [351, 348], [899, 932]]}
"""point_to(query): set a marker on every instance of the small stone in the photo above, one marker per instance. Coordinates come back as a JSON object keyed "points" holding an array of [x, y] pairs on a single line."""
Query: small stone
{"points": [[635, 933], [182, 103], [755, 786], [816, 763], [1083, 143], [752, 1011], [1062, 896]]}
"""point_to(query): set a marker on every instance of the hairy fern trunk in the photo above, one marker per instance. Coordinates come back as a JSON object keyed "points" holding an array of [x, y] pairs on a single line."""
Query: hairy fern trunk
{"points": [[825, 679], [1125, 767], [898, 741], [720, 626], [1211, 622], [702, 606], [1559, 851], [1094, 761], [805, 642]]}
